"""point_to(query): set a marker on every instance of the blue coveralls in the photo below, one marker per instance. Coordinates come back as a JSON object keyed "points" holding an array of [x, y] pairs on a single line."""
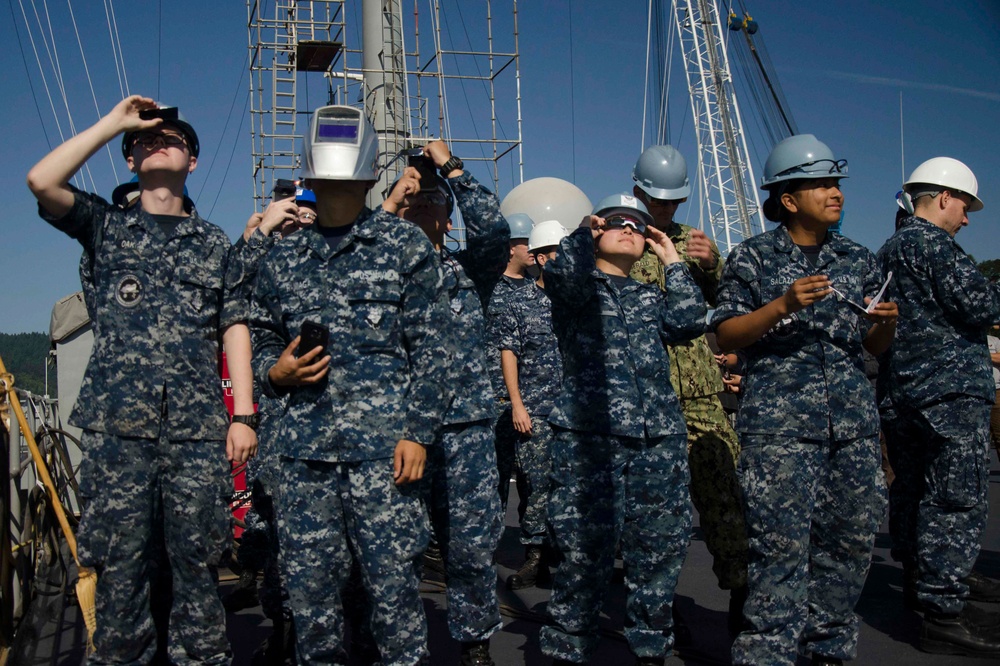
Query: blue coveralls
{"points": [[154, 425], [461, 468], [810, 462], [937, 390], [380, 294], [619, 453]]}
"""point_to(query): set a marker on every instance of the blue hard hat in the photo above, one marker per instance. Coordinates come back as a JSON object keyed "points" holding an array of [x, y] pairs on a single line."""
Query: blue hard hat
{"points": [[302, 195], [625, 204], [801, 156], [520, 226]]}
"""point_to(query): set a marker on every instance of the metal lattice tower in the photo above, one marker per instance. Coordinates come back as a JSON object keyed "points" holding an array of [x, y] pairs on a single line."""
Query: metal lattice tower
{"points": [[726, 179], [402, 77]]}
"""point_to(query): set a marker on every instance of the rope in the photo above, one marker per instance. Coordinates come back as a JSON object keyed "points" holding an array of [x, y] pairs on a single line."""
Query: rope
{"points": [[90, 82]]}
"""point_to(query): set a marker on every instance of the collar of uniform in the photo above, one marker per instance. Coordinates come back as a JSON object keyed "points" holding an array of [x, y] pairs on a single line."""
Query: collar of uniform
{"points": [[365, 226]]}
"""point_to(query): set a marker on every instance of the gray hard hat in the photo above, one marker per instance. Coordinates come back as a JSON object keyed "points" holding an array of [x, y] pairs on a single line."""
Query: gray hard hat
{"points": [[520, 226], [662, 173], [801, 156], [625, 204]]}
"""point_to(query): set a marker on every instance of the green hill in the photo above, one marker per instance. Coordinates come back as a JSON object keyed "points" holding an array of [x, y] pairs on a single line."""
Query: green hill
{"points": [[24, 356]]}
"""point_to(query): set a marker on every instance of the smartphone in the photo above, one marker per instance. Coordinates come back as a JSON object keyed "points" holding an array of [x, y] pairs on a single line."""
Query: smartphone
{"points": [[167, 113], [313, 335], [283, 188], [425, 167]]}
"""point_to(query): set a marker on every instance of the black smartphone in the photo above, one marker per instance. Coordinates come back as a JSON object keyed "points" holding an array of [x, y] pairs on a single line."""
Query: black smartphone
{"points": [[283, 188], [425, 167], [167, 113], [313, 335]]}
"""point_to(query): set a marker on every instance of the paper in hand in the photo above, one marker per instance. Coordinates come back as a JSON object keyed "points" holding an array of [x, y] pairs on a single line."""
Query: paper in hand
{"points": [[861, 309]]}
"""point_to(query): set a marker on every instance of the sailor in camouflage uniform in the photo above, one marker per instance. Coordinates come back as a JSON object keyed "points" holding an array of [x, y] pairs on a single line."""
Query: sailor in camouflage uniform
{"points": [[360, 412], [619, 460], [461, 466], [532, 371], [258, 550], [155, 425], [939, 386], [661, 182], [810, 462], [507, 290]]}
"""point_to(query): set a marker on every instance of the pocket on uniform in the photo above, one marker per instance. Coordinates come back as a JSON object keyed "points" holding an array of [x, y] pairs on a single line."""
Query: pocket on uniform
{"points": [[375, 309], [959, 479], [200, 287]]}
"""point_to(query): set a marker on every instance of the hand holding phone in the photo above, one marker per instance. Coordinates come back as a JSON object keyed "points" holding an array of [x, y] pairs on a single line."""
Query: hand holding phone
{"points": [[313, 335]]}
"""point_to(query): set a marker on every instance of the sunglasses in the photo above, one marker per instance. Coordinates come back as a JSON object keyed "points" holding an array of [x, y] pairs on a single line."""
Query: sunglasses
{"points": [[819, 167], [150, 139], [622, 221]]}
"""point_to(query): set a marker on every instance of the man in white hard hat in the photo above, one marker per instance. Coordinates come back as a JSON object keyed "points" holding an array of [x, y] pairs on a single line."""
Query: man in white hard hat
{"points": [[937, 379], [532, 373], [364, 394]]}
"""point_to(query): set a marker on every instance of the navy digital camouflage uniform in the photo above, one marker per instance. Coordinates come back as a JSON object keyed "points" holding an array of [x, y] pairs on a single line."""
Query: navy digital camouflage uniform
{"points": [[506, 291], [619, 464], [810, 462], [938, 379], [379, 292], [259, 549], [526, 330], [461, 476], [713, 448], [154, 425]]}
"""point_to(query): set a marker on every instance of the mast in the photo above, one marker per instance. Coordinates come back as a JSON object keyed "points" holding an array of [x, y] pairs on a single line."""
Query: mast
{"points": [[726, 179]]}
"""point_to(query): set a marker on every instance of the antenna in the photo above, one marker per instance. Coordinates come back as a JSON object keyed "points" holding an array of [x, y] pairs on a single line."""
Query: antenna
{"points": [[902, 160]]}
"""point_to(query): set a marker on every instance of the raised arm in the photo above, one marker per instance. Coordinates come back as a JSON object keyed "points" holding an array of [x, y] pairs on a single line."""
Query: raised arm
{"points": [[49, 179]]}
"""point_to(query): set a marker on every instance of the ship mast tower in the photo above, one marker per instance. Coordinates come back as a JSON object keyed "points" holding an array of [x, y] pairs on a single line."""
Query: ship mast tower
{"points": [[725, 175], [400, 76]]}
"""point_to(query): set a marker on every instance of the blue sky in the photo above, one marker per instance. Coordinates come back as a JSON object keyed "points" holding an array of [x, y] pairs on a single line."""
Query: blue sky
{"points": [[841, 65]]}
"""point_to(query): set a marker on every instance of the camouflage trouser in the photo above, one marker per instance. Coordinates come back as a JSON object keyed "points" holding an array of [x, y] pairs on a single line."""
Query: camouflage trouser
{"points": [[995, 423], [505, 446], [606, 488], [713, 450], [938, 501], [331, 512], [123, 481], [259, 544], [465, 514], [812, 511], [533, 468]]}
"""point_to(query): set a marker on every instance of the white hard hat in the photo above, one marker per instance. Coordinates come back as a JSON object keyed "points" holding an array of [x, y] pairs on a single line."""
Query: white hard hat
{"points": [[947, 173], [546, 233], [548, 199], [341, 144]]}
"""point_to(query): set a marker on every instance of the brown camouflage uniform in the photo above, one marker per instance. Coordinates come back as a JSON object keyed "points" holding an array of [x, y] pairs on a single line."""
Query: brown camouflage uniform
{"points": [[712, 444]]}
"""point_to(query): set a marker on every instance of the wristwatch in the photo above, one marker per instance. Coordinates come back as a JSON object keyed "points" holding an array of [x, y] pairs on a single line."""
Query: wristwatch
{"points": [[452, 164], [249, 420]]}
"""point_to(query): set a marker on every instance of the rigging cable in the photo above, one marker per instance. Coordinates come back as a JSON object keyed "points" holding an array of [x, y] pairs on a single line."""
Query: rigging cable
{"points": [[90, 82], [27, 73], [233, 152], [218, 145], [116, 47], [645, 86], [572, 97]]}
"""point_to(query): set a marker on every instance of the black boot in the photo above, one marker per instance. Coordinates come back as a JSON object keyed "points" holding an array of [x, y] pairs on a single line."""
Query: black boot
{"points": [[820, 660], [476, 653], [737, 599], [682, 633], [649, 661], [958, 634], [533, 570], [244, 595], [982, 588]]}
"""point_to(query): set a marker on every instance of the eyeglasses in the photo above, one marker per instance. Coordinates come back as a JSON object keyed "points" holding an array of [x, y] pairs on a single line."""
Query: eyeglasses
{"points": [[150, 139], [819, 167], [622, 221], [307, 217]]}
